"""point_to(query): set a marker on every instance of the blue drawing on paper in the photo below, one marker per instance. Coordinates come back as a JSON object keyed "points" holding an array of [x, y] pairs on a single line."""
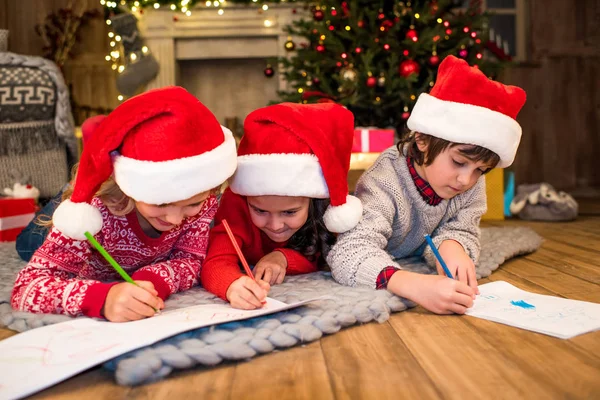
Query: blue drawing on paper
{"points": [[523, 304]]}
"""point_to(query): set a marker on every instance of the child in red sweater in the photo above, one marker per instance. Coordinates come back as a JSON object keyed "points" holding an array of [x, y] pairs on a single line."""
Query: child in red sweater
{"points": [[144, 190], [286, 198]]}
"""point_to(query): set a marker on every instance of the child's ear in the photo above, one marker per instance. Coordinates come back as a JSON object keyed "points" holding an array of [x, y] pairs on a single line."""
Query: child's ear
{"points": [[421, 142]]}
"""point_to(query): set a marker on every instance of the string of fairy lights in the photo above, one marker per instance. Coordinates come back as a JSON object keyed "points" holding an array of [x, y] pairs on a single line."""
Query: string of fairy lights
{"points": [[116, 55]]}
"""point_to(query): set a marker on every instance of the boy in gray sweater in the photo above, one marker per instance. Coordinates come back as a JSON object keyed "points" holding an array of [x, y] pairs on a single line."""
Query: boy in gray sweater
{"points": [[432, 183]]}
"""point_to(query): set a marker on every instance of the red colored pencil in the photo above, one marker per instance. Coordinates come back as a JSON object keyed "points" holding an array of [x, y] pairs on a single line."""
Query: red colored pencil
{"points": [[237, 249]]}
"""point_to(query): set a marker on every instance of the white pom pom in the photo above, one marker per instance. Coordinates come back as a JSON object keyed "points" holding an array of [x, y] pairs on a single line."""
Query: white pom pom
{"points": [[74, 219], [345, 217]]}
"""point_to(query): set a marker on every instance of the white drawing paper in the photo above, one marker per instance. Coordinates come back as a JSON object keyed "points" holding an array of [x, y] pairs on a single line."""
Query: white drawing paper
{"points": [[39, 358], [555, 316]]}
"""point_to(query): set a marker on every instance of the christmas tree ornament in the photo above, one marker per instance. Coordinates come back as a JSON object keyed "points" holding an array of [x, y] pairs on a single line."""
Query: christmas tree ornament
{"points": [[316, 81], [412, 34], [320, 48], [139, 66], [289, 44], [405, 115], [349, 74], [371, 81], [269, 71], [408, 68], [318, 15], [361, 24], [381, 81], [309, 83], [463, 53], [434, 60], [387, 25]]}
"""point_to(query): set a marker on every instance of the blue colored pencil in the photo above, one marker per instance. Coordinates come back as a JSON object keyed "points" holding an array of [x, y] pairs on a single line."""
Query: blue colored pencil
{"points": [[438, 256]]}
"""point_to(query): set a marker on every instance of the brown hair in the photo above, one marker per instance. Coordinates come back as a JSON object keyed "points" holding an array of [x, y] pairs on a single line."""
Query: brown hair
{"points": [[408, 146], [314, 240]]}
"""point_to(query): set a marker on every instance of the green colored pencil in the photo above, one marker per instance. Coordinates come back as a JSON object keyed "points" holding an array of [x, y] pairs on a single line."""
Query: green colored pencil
{"points": [[111, 260]]}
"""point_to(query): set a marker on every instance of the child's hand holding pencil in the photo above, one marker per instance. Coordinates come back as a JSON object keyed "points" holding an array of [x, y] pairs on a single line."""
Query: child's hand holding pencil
{"points": [[130, 300], [127, 302]]}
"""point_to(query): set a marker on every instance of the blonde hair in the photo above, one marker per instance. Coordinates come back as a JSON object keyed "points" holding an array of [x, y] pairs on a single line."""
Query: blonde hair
{"points": [[117, 202]]}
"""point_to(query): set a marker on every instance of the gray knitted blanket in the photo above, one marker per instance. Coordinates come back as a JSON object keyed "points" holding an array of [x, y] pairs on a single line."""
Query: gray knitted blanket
{"points": [[246, 339]]}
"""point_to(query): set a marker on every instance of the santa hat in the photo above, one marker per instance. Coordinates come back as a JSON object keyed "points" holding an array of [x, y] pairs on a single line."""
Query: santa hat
{"points": [[300, 150], [162, 146], [465, 106]]}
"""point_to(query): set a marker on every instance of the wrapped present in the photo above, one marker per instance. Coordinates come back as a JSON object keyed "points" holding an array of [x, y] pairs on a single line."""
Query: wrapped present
{"points": [[372, 140], [15, 214], [494, 190]]}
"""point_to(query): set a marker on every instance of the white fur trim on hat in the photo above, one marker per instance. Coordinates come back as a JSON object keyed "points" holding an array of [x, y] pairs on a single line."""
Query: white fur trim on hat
{"points": [[279, 175], [467, 123], [344, 217], [175, 180], [74, 219]]}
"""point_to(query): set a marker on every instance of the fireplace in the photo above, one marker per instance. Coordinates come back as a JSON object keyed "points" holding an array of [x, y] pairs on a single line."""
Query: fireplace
{"points": [[219, 58]]}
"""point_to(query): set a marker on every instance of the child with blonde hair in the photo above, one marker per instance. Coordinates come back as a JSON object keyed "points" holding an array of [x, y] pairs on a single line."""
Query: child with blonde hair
{"points": [[144, 190], [287, 197], [433, 183]]}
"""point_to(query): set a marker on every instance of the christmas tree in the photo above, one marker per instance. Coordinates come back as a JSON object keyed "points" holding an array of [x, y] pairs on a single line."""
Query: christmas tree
{"points": [[376, 57]]}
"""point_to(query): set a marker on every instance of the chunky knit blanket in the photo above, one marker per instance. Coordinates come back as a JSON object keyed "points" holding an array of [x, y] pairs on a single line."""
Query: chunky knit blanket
{"points": [[246, 339]]}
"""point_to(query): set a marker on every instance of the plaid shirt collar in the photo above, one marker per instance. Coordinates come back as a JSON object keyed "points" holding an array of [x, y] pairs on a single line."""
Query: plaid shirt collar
{"points": [[423, 187]]}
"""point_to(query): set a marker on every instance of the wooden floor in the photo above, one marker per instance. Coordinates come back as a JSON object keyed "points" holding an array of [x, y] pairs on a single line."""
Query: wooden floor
{"points": [[415, 354]]}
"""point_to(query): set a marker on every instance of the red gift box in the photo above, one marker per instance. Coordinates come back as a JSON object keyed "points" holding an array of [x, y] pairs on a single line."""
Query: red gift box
{"points": [[15, 214], [372, 140]]}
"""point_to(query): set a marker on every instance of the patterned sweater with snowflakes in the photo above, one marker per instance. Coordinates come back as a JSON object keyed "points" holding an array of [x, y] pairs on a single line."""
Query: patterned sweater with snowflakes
{"points": [[222, 266], [395, 220], [67, 276]]}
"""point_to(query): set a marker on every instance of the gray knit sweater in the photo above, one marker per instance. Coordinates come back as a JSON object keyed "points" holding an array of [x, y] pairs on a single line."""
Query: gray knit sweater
{"points": [[395, 220]]}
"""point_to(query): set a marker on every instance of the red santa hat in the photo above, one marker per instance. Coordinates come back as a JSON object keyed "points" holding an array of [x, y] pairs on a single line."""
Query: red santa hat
{"points": [[161, 147], [300, 150], [465, 106]]}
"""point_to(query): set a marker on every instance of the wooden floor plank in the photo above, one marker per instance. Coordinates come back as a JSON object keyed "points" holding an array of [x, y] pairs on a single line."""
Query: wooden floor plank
{"points": [[566, 264], [199, 383], [297, 373], [96, 383], [372, 362], [461, 361], [554, 280]]}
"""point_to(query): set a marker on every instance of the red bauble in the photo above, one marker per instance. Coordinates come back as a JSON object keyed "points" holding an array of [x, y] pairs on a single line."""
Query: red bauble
{"points": [[318, 15], [361, 24], [316, 81], [408, 67], [405, 115], [434, 60], [411, 34], [320, 48], [269, 72], [387, 24], [371, 81]]}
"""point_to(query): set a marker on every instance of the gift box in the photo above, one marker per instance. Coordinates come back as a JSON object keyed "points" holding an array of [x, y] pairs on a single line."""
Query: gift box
{"points": [[494, 190], [15, 214], [372, 140]]}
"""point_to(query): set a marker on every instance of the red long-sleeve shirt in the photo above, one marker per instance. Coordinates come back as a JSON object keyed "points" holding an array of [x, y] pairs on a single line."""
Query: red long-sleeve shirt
{"points": [[221, 267], [67, 276]]}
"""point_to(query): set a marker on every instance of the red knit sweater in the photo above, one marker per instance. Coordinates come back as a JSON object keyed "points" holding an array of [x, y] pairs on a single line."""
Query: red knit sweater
{"points": [[67, 276], [222, 266]]}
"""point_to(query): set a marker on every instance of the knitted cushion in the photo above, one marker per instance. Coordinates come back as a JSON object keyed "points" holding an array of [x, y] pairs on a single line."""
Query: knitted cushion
{"points": [[26, 94], [246, 339], [37, 141]]}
